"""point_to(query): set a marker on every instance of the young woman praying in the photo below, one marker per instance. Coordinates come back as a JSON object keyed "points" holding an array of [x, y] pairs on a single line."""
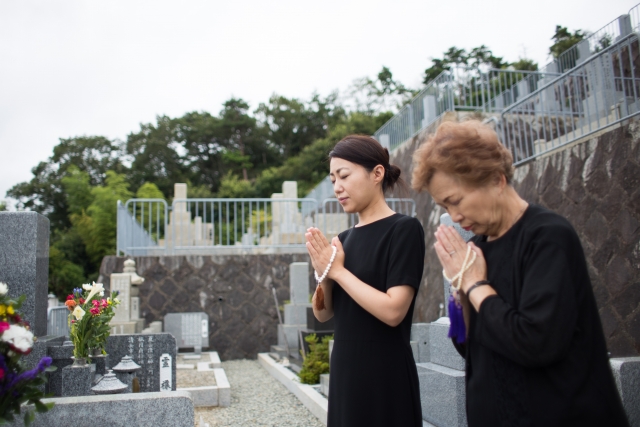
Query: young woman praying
{"points": [[368, 278]]}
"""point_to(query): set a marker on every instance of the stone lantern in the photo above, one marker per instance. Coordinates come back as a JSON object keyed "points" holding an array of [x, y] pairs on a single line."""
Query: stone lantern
{"points": [[109, 384], [126, 371]]}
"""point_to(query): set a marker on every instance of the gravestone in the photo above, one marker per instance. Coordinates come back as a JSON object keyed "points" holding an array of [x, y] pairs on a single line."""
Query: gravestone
{"points": [[155, 353], [121, 282], [191, 330], [295, 313], [126, 319], [24, 263]]}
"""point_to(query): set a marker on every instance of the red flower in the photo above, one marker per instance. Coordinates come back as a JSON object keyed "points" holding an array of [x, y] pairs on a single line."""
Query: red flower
{"points": [[1, 373], [104, 303], [95, 303], [81, 300], [95, 311], [69, 297], [3, 327]]}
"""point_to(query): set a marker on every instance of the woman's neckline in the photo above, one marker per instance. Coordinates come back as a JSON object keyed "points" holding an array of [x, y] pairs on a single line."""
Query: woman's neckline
{"points": [[485, 238], [376, 221]]}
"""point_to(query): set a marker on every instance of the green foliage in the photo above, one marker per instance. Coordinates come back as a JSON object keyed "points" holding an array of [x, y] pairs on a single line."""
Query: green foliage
{"points": [[3, 206], [563, 39], [480, 56], [380, 95], [316, 361], [234, 187]]}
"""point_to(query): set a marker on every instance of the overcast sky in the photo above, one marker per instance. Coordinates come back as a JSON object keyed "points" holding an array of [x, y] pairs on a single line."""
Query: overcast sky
{"points": [[71, 68]]}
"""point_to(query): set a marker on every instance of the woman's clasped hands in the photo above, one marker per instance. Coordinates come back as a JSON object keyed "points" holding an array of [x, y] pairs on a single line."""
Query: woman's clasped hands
{"points": [[452, 253], [321, 251]]}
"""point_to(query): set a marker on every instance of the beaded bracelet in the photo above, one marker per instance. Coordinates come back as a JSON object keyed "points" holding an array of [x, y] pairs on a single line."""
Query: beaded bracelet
{"points": [[475, 285], [465, 266], [326, 270]]}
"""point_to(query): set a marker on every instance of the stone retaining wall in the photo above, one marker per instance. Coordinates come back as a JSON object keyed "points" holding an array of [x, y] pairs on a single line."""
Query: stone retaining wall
{"points": [[235, 291]]}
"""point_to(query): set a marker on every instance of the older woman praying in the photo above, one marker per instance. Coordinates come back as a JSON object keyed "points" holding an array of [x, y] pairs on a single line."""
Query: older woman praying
{"points": [[532, 338]]}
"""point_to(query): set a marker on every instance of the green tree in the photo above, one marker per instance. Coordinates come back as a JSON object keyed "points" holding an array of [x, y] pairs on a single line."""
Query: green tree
{"points": [[563, 40], [292, 124], [205, 143], [44, 193], [155, 158], [379, 95], [234, 187], [97, 226], [3, 206], [524, 64], [311, 166]]}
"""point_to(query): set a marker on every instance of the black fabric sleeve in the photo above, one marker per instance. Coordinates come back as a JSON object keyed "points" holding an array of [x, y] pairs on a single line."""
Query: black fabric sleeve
{"points": [[406, 255], [538, 332]]}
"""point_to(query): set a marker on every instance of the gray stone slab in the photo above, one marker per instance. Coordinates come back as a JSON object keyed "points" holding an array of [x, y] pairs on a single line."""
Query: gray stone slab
{"points": [[170, 409], [147, 351], [442, 395], [290, 333], [299, 282], [441, 349], [626, 371], [295, 314], [189, 329], [324, 384], [39, 350], [76, 380], [415, 351], [24, 263], [61, 355], [420, 334], [121, 282]]}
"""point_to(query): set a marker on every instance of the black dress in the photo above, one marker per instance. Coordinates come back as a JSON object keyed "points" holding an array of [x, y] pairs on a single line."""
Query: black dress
{"points": [[536, 354], [374, 381]]}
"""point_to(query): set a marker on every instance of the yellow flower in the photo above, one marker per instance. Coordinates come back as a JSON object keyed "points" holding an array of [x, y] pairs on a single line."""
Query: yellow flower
{"points": [[3, 309], [10, 309]]}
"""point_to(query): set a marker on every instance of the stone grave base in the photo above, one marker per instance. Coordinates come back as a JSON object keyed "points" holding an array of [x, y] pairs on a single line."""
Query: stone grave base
{"points": [[158, 409], [210, 395]]}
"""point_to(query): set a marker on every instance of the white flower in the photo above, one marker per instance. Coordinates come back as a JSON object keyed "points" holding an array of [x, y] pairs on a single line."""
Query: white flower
{"points": [[78, 312], [116, 301], [86, 286], [94, 289], [101, 293], [19, 337], [3, 289]]}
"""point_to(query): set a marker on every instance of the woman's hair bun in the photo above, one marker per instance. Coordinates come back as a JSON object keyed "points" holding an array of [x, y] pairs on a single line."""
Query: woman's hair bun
{"points": [[392, 176]]}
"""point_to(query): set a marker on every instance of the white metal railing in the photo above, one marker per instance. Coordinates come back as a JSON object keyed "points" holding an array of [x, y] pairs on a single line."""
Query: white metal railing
{"points": [[190, 226], [601, 91], [57, 321], [473, 89], [461, 89]]}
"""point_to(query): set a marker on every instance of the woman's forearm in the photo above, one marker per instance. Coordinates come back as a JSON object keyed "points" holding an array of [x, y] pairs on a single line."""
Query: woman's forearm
{"points": [[390, 307], [327, 313]]}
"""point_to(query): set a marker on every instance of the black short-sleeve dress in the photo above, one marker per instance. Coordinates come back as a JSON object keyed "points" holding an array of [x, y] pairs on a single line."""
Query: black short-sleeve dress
{"points": [[374, 381]]}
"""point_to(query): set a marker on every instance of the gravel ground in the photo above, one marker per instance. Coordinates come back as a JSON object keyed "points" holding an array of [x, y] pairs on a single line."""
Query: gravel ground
{"points": [[193, 378], [257, 399]]}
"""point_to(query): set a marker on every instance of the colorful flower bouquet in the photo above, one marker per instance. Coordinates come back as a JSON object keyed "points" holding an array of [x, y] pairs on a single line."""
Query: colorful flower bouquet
{"points": [[89, 318], [17, 384]]}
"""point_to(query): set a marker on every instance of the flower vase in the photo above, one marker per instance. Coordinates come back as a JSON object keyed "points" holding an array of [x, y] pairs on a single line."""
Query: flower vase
{"points": [[79, 362]]}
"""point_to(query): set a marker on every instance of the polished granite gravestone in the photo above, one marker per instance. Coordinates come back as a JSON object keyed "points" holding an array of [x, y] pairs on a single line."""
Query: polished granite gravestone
{"points": [[173, 409], [150, 351], [24, 263]]}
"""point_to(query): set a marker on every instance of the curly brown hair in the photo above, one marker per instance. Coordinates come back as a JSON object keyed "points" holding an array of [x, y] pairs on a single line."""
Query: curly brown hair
{"points": [[470, 151]]}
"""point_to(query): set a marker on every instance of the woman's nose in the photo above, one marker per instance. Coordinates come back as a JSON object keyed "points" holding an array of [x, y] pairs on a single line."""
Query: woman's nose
{"points": [[456, 216]]}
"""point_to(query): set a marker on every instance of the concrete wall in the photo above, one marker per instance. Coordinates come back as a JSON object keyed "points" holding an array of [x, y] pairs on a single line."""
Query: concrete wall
{"points": [[235, 291], [595, 184]]}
